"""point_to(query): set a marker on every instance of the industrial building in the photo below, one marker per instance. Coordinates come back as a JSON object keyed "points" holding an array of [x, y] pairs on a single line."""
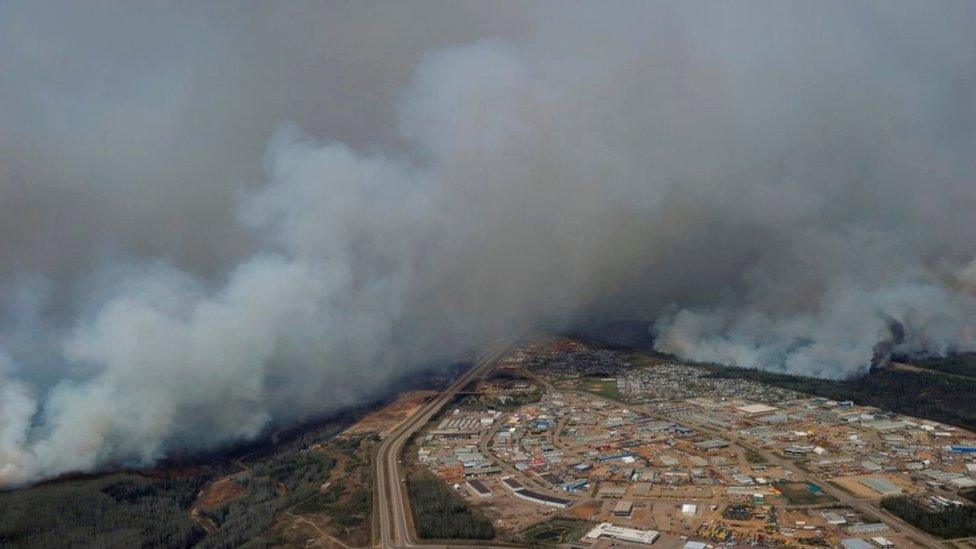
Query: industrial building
{"points": [[855, 543], [678, 434], [606, 530], [756, 409], [881, 485], [623, 509]]}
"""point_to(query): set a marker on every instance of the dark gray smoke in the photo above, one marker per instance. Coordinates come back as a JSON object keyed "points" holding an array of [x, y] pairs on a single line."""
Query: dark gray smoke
{"points": [[181, 265]]}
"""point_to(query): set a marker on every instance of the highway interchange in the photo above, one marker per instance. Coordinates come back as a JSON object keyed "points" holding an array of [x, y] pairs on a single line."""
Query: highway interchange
{"points": [[391, 498]]}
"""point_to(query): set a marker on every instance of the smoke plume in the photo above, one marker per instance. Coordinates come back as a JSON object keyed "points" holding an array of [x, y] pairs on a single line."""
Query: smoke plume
{"points": [[215, 218]]}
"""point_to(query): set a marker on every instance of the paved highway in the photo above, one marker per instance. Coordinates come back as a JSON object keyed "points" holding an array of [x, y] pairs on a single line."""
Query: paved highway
{"points": [[393, 505], [392, 500]]}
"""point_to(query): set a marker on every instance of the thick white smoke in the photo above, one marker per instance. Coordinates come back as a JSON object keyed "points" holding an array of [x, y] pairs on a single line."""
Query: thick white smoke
{"points": [[839, 337], [788, 188]]}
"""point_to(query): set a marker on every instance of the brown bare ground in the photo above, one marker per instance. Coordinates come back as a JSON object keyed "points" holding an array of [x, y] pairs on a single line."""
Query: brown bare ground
{"points": [[219, 493], [918, 369], [309, 531], [384, 420], [586, 510]]}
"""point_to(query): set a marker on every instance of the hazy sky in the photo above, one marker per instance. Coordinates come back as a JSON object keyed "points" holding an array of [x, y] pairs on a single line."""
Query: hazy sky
{"points": [[216, 217]]}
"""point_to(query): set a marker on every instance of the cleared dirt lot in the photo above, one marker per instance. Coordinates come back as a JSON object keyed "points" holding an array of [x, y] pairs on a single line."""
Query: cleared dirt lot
{"points": [[852, 484], [219, 493], [384, 420]]}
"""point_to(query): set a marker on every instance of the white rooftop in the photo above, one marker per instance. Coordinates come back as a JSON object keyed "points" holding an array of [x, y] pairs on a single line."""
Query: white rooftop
{"points": [[855, 543], [621, 533], [756, 408], [963, 482]]}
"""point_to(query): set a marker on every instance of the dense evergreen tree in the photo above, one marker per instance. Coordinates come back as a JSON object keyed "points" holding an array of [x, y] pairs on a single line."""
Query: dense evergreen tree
{"points": [[962, 364], [123, 510], [439, 513], [243, 519], [954, 522]]}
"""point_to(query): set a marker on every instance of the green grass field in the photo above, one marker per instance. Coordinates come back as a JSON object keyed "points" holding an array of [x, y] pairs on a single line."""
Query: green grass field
{"points": [[798, 493], [604, 387]]}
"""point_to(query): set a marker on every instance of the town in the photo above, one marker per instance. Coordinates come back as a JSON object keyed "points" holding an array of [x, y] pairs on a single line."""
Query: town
{"points": [[579, 445]]}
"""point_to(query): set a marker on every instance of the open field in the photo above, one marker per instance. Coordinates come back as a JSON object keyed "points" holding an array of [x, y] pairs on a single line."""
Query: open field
{"points": [[383, 420], [605, 387], [220, 492]]}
